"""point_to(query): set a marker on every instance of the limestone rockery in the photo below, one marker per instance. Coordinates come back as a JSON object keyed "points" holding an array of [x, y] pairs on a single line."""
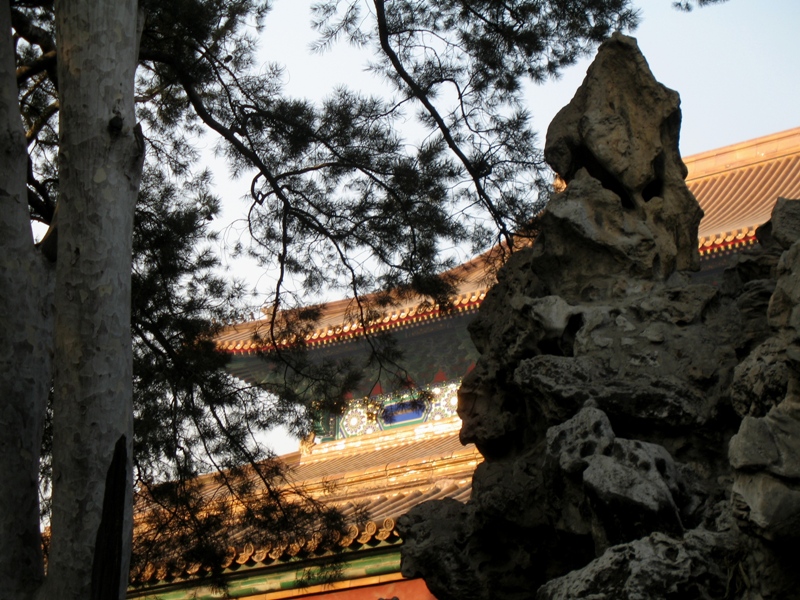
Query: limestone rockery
{"points": [[641, 431]]}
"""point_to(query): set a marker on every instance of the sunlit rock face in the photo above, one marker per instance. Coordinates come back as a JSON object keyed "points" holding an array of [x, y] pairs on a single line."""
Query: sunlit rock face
{"points": [[610, 388], [616, 146]]}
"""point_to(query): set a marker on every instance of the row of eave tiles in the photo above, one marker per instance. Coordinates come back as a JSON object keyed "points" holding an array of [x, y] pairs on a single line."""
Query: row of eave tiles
{"points": [[401, 316], [379, 529]]}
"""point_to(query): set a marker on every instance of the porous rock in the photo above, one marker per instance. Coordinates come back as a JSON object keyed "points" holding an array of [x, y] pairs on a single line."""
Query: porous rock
{"points": [[760, 381], [620, 133], [656, 566], [785, 222], [765, 452], [610, 388]]}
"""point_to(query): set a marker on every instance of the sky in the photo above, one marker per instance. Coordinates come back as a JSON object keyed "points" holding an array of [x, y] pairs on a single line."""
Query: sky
{"points": [[736, 66]]}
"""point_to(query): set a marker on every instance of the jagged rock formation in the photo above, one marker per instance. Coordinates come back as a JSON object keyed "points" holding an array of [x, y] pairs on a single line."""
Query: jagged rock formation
{"points": [[610, 386]]}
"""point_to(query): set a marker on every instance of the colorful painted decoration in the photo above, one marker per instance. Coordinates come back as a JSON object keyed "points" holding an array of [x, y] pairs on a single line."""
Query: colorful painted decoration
{"points": [[389, 411]]}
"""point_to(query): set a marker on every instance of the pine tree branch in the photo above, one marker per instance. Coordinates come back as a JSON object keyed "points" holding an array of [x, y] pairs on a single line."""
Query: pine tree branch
{"points": [[36, 36], [31, 33], [422, 97], [41, 121], [45, 62]]}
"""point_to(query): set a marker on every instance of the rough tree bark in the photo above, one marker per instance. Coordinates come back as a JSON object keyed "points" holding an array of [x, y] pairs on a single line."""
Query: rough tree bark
{"points": [[26, 297], [100, 160]]}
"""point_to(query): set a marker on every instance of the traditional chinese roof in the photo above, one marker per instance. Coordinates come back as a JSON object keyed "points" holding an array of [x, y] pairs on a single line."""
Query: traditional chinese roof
{"points": [[387, 473], [383, 474], [338, 324], [736, 187]]}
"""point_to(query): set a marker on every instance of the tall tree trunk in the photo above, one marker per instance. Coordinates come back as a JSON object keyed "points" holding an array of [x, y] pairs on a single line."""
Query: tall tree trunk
{"points": [[25, 346], [100, 160]]}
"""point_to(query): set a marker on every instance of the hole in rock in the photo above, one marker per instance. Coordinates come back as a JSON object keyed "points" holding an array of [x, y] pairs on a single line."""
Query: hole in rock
{"points": [[564, 345], [671, 554], [585, 159], [568, 336], [653, 189], [656, 265], [550, 347], [587, 448], [656, 186]]}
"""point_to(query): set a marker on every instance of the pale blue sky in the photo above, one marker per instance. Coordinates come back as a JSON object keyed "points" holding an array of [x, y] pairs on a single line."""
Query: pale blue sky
{"points": [[736, 66]]}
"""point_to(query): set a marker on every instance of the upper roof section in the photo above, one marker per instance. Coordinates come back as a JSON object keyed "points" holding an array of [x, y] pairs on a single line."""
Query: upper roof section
{"points": [[372, 466], [736, 187], [378, 477], [338, 322]]}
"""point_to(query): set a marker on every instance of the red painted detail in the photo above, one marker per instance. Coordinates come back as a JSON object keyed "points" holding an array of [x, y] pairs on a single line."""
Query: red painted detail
{"points": [[440, 377], [725, 246], [405, 589], [399, 322]]}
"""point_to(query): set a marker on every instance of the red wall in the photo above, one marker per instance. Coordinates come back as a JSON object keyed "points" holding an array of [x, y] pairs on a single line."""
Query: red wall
{"points": [[404, 589]]}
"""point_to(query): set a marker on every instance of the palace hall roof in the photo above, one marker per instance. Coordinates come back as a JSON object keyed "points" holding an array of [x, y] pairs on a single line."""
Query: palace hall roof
{"points": [[382, 475], [738, 185]]}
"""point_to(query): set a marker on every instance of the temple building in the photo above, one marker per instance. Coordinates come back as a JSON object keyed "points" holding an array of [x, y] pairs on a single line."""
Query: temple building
{"points": [[387, 453]]}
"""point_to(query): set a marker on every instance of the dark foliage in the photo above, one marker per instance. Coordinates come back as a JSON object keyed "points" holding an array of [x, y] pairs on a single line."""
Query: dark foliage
{"points": [[688, 5]]}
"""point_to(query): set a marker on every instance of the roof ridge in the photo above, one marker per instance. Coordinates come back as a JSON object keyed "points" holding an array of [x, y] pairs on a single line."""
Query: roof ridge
{"points": [[772, 147]]}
